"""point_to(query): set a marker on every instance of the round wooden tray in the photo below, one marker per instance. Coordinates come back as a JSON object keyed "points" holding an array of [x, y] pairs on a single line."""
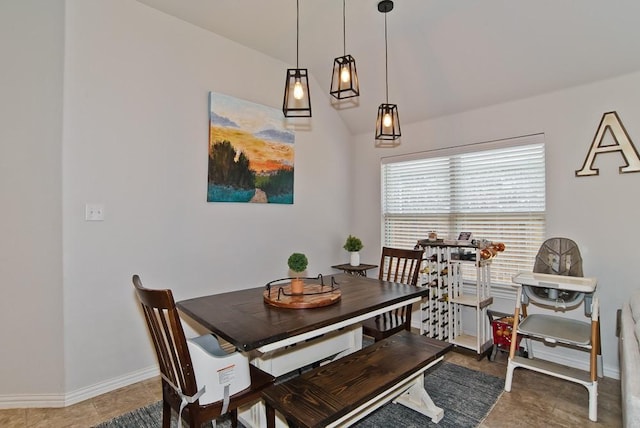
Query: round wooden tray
{"points": [[314, 296]]}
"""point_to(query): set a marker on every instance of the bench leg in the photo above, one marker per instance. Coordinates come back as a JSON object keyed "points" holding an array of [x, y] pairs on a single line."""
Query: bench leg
{"points": [[417, 398]]}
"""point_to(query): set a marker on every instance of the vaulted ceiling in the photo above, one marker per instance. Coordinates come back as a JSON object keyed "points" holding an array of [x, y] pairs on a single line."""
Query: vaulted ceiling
{"points": [[445, 56]]}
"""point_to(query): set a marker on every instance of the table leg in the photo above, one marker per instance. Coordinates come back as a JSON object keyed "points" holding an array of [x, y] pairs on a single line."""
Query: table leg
{"points": [[271, 416]]}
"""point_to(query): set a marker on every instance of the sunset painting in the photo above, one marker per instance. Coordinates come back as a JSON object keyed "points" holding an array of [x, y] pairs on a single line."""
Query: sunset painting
{"points": [[250, 153]]}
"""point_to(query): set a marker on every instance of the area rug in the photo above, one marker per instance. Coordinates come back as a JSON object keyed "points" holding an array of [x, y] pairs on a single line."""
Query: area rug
{"points": [[466, 396]]}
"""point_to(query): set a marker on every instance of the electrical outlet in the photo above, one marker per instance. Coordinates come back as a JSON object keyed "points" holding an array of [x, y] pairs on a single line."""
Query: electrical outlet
{"points": [[94, 212]]}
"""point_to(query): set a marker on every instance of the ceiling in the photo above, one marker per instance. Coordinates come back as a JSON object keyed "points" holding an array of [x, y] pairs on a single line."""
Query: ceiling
{"points": [[445, 56]]}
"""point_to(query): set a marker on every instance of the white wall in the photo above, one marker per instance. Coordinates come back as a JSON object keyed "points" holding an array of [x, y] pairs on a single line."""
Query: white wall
{"points": [[134, 137], [600, 213], [31, 336]]}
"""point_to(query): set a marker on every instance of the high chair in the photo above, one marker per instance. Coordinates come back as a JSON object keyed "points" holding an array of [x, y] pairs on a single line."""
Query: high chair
{"points": [[557, 285]]}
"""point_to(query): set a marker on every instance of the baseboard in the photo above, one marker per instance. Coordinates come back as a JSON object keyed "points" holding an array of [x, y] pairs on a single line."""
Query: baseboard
{"points": [[63, 400], [111, 385], [21, 401]]}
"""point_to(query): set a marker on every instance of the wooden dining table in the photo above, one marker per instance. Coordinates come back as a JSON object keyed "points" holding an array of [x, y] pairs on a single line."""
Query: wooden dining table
{"points": [[280, 340], [243, 318]]}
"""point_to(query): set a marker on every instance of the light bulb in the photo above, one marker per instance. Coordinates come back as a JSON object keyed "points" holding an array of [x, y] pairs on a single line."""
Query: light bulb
{"points": [[386, 120], [298, 92], [345, 76]]}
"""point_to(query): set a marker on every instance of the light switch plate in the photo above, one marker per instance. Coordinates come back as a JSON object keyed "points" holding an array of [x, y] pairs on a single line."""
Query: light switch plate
{"points": [[94, 212]]}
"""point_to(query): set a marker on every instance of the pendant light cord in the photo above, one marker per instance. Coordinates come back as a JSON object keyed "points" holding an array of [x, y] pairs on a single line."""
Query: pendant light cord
{"points": [[297, 31], [344, 30], [386, 60]]}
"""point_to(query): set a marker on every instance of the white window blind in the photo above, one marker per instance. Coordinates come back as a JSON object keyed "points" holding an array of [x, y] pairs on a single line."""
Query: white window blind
{"points": [[496, 193]]}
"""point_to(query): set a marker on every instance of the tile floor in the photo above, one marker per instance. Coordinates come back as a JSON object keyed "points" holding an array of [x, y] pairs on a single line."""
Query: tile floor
{"points": [[535, 400], [538, 400], [86, 413]]}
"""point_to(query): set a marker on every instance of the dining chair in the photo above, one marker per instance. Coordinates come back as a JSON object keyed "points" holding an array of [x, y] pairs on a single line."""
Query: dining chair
{"points": [[400, 266], [185, 387]]}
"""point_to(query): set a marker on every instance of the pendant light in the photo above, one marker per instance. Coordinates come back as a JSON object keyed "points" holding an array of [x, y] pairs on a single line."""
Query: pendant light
{"points": [[297, 99], [387, 121], [344, 79]]}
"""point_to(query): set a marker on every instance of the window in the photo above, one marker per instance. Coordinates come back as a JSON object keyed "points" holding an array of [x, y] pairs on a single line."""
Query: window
{"points": [[494, 190]]}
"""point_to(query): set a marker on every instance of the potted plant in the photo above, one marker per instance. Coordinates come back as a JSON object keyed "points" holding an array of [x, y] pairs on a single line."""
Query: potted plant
{"points": [[353, 245], [297, 262]]}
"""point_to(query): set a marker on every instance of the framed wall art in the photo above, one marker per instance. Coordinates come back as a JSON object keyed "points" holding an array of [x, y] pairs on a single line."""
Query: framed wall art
{"points": [[251, 153]]}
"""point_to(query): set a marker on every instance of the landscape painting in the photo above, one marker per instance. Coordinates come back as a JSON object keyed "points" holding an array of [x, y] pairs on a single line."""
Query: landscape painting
{"points": [[250, 153]]}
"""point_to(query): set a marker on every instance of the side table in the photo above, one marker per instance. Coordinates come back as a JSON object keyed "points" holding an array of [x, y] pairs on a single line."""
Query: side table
{"points": [[360, 270]]}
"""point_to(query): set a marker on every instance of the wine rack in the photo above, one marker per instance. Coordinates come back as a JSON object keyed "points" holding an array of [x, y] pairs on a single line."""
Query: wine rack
{"points": [[435, 310], [441, 313]]}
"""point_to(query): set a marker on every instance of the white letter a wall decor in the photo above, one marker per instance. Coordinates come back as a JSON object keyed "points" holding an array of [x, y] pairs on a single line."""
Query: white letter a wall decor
{"points": [[611, 122]]}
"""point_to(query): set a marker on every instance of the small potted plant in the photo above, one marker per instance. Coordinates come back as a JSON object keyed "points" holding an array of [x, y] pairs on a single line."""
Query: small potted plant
{"points": [[353, 245], [297, 262]]}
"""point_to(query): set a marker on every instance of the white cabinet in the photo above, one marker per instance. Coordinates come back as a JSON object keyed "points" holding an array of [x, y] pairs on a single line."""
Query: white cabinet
{"points": [[442, 271]]}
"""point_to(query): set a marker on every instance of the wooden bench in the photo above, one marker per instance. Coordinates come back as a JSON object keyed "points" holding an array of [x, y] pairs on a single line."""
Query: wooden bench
{"points": [[353, 386]]}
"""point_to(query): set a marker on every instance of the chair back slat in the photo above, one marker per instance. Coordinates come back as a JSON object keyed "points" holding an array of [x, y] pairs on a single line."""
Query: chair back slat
{"points": [[400, 265], [168, 337]]}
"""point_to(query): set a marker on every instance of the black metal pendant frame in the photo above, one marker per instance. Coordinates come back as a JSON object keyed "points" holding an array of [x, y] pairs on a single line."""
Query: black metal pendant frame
{"points": [[391, 132], [340, 89], [346, 63], [292, 107], [301, 106]]}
